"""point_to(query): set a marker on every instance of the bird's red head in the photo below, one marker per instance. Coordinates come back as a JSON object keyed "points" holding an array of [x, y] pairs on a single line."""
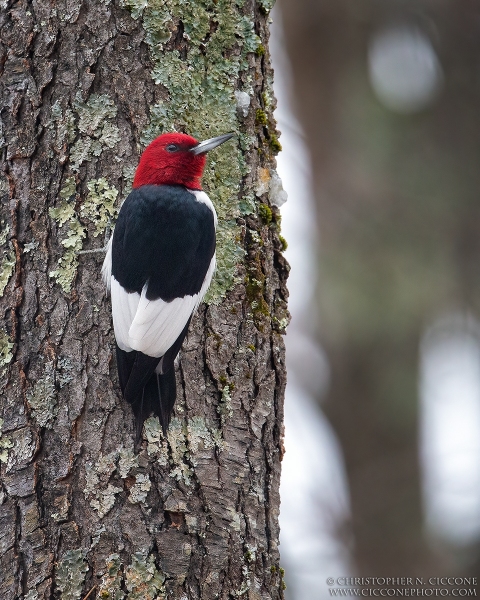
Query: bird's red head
{"points": [[168, 161], [175, 159]]}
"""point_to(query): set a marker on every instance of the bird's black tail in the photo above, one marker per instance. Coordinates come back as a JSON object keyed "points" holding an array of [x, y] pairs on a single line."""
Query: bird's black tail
{"points": [[159, 395], [146, 390], [135, 371]]}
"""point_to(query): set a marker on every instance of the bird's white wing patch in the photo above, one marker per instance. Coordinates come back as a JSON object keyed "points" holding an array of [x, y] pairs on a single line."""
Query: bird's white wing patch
{"points": [[157, 324], [107, 265], [124, 309], [152, 326]]}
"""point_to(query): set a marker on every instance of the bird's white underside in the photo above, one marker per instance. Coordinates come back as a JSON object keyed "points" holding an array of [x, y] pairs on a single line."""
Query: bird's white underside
{"points": [[151, 326]]}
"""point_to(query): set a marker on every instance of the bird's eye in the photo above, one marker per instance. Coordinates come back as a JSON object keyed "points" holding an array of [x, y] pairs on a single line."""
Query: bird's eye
{"points": [[171, 148]]}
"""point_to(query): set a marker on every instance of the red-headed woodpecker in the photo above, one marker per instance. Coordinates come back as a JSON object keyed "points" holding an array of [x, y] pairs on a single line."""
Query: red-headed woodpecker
{"points": [[159, 264]]}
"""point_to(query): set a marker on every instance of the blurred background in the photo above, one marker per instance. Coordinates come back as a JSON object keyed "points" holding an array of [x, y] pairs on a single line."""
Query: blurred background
{"points": [[379, 108]]}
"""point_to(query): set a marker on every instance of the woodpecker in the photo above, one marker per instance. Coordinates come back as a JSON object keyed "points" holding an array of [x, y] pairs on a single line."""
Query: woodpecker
{"points": [[159, 264]]}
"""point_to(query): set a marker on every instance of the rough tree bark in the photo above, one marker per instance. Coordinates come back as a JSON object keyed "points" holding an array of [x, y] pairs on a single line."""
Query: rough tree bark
{"points": [[85, 86]]}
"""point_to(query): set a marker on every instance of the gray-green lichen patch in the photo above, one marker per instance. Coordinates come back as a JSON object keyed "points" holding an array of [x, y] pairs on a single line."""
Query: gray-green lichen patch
{"points": [[6, 269], [96, 127], [104, 499], [136, 7], [32, 595], [65, 129], [29, 247], [4, 231], [8, 258], [281, 324], [126, 462], [98, 491], [63, 375], [5, 444], [6, 346], [64, 214], [111, 585], [177, 438], [68, 190], [92, 124], [68, 263], [97, 534], [224, 407], [70, 575], [98, 208], [156, 443], [101, 493], [143, 580], [202, 102], [199, 432], [42, 398], [234, 519], [184, 440], [140, 489], [248, 205]]}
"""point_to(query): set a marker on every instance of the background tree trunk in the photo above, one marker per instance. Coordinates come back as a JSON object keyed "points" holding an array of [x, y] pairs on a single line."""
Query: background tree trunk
{"points": [[398, 211], [85, 86]]}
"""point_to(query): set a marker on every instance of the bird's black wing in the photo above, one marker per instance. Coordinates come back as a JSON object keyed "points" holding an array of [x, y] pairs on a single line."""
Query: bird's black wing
{"points": [[166, 237]]}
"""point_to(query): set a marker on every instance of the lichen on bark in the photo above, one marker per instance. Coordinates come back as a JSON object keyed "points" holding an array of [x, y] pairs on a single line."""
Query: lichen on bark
{"points": [[7, 263], [71, 572], [5, 444], [6, 346], [42, 398], [99, 208], [112, 579]]}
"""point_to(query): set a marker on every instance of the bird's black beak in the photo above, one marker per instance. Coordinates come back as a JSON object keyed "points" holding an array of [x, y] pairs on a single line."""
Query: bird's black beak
{"points": [[210, 144]]}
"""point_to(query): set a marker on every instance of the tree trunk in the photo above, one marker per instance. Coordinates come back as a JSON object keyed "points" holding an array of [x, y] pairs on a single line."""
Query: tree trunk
{"points": [[86, 85]]}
